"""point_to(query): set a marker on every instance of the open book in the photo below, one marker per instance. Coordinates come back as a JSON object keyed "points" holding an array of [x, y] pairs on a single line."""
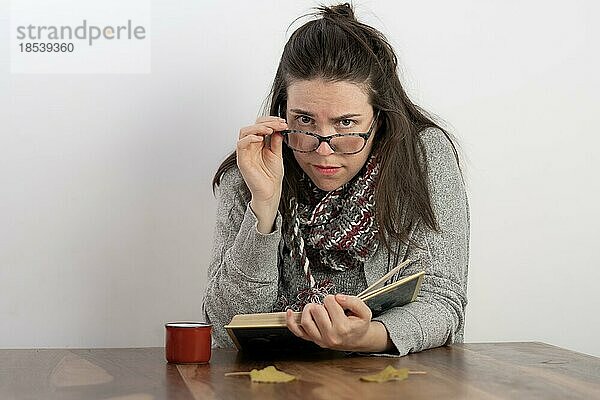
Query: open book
{"points": [[268, 331]]}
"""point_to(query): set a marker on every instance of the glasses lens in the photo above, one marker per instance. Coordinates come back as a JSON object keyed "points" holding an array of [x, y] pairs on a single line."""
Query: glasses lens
{"points": [[347, 144], [301, 142]]}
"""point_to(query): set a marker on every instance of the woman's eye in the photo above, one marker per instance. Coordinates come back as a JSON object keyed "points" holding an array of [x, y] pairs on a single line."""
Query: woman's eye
{"points": [[346, 123], [304, 119]]}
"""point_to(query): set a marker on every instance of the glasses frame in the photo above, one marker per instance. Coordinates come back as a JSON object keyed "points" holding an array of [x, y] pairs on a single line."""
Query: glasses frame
{"points": [[327, 139]]}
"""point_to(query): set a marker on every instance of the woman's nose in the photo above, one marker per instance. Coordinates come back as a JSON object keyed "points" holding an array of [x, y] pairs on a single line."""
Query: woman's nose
{"points": [[324, 149]]}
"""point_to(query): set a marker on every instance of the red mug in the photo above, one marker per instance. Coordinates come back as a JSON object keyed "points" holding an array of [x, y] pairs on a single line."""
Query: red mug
{"points": [[187, 342]]}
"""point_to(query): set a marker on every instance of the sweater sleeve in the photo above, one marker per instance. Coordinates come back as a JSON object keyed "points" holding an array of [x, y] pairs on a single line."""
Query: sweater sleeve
{"points": [[437, 316], [243, 274]]}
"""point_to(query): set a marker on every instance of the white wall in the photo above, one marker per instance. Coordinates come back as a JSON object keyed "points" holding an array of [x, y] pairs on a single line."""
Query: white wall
{"points": [[106, 210]]}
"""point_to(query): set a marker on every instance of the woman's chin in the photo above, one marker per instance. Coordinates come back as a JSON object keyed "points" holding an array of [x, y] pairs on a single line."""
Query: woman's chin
{"points": [[327, 184]]}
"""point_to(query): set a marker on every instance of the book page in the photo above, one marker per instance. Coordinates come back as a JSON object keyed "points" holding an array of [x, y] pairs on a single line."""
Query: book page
{"points": [[381, 281], [393, 286]]}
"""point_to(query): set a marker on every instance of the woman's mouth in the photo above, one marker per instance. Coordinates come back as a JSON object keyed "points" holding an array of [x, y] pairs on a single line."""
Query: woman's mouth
{"points": [[327, 170]]}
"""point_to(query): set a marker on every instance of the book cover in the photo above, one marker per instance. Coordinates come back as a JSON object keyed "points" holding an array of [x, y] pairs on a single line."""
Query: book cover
{"points": [[394, 295]]}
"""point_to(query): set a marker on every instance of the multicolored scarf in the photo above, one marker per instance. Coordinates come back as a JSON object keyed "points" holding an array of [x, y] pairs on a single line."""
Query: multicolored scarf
{"points": [[338, 227]]}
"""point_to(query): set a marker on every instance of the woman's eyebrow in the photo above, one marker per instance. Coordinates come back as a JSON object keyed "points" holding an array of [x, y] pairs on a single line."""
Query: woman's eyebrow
{"points": [[308, 113]]}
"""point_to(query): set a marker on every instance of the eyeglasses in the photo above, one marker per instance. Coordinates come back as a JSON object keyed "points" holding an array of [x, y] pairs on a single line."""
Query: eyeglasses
{"points": [[342, 143]]}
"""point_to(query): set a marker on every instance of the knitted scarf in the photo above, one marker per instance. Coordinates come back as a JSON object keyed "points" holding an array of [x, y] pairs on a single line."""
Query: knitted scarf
{"points": [[337, 228]]}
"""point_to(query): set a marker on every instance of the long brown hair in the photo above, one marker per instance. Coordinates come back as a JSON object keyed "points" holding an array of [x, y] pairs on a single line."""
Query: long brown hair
{"points": [[336, 47]]}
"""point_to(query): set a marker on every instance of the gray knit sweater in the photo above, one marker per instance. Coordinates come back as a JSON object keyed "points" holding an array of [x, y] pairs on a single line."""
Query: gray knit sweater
{"points": [[243, 273]]}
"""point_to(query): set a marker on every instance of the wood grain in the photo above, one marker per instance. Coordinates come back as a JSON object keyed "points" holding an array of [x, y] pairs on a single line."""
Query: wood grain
{"points": [[467, 371]]}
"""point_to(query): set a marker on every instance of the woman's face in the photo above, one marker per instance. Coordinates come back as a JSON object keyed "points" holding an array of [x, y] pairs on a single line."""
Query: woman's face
{"points": [[327, 108]]}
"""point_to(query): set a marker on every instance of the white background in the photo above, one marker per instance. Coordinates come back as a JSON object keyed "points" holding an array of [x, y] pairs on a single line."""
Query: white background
{"points": [[106, 210]]}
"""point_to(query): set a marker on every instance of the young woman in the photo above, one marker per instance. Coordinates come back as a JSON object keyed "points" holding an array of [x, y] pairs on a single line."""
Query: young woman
{"points": [[343, 180]]}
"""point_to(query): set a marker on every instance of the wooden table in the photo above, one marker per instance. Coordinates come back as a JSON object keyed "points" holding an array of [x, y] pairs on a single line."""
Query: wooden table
{"points": [[468, 371]]}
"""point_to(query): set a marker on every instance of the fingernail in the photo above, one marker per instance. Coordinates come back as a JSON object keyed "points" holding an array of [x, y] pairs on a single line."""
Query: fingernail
{"points": [[342, 297]]}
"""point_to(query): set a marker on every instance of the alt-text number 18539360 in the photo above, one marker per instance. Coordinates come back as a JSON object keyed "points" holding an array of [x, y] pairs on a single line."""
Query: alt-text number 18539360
{"points": [[46, 47]]}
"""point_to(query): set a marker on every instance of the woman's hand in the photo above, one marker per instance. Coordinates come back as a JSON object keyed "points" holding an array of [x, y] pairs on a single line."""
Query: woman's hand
{"points": [[328, 325], [260, 160]]}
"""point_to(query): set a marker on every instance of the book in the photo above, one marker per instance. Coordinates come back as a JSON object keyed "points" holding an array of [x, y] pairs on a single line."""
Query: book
{"points": [[269, 332]]}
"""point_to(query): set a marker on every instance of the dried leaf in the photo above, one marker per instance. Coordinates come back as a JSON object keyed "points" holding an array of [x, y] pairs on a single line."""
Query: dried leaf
{"points": [[387, 374], [269, 374]]}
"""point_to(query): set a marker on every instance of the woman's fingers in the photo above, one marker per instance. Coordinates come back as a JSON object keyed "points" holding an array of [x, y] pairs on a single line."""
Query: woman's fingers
{"points": [[268, 118], [336, 312], [263, 128], [260, 161], [321, 317], [355, 305], [276, 144], [328, 326], [294, 326], [245, 142], [309, 325]]}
